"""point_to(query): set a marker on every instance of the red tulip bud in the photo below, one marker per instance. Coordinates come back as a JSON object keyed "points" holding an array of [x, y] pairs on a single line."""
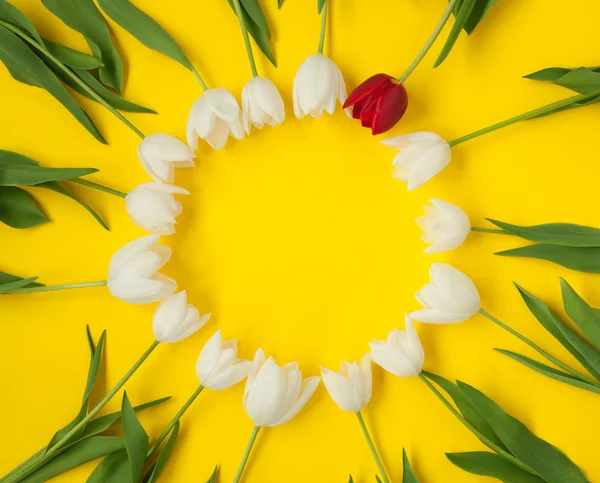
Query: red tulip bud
{"points": [[379, 102]]}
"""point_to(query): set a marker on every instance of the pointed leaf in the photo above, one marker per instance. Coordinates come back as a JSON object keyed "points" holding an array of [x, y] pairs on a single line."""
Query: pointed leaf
{"points": [[490, 464], [252, 8], [83, 16], [112, 469], [585, 316], [466, 8], [408, 475], [320, 5], [377, 479], [549, 75], [136, 440], [13, 16], [10, 286], [257, 34], [71, 57], [565, 234], [165, 454], [351, 480], [13, 173], [18, 208], [214, 474], [582, 259], [584, 80], [482, 7], [8, 278]]}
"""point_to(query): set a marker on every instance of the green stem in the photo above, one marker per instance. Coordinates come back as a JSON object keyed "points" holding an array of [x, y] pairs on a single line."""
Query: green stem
{"points": [[99, 187], [50, 452], [376, 457], [475, 431], [240, 16], [538, 349], [323, 27], [434, 35], [53, 288], [92, 93], [173, 422], [528, 115], [489, 230], [238, 475], [200, 80]]}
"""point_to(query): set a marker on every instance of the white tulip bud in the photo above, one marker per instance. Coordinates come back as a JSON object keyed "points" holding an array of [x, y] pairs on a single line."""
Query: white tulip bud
{"points": [[218, 366], [161, 154], [261, 104], [175, 319], [351, 387], [445, 226]]}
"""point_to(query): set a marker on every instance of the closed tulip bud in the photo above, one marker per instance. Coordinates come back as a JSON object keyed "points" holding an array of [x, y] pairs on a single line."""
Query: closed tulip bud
{"points": [[379, 103], [218, 366], [351, 387], [214, 116], [152, 207], [175, 319], [401, 354], [444, 225], [450, 297], [133, 272], [261, 104], [274, 394], [161, 154], [317, 87]]}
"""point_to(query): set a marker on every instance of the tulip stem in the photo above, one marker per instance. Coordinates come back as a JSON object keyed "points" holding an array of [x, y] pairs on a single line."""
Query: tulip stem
{"points": [[52, 450], [174, 421], [547, 109], [432, 38], [240, 16], [99, 187], [91, 92], [538, 349], [200, 80], [489, 230], [53, 288], [323, 27], [376, 457], [238, 475]]}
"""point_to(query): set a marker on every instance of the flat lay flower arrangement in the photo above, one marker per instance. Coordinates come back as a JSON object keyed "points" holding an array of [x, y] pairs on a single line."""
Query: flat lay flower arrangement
{"points": [[251, 236]]}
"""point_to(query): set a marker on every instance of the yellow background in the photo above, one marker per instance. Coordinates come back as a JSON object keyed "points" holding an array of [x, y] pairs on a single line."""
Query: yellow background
{"points": [[300, 242]]}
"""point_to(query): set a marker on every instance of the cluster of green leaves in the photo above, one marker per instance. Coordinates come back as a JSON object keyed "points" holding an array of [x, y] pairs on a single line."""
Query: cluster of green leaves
{"points": [[90, 442], [573, 246], [517, 454], [583, 346], [18, 208], [468, 14], [408, 475], [257, 25]]}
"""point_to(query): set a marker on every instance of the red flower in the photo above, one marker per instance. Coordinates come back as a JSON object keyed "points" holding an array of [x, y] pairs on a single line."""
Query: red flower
{"points": [[379, 102]]}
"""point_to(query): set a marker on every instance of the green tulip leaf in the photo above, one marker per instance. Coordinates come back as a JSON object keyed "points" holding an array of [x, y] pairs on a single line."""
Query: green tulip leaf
{"points": [[408, 475], [351, 480], [6, 278], [15, 173], [71, 57], [260, 36], [320, 5], [84, 17], [585, 317], [252, 8], [112, 469], [215, 473], [565, 234], [13, 16], [551, 464], [10, 286], [465, 8], [581, 259], [18, 209], [136, 440], [480, 10], [18, 57], [489, 464], [583, 80], [164, 455]]}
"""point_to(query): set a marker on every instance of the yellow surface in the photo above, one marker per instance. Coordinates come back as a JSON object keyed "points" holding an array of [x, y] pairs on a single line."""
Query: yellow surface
{"points": [[299, 241]]}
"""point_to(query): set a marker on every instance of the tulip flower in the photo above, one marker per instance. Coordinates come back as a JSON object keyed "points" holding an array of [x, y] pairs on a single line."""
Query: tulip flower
{"points": [[261, 104], [401, 354], [133, 272], [214, 116], [160, 154], [444, 225], [152, 207], [420, 157], [350, 389], [273, 396], [175, 319], [218, 367]]}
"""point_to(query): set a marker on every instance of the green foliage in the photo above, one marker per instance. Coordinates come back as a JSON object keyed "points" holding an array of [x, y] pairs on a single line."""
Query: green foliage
{"points": [[136, 440], [408, 475], [257, 26]]}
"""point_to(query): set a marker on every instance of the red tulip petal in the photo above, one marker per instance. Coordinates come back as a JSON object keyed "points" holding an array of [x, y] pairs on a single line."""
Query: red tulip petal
{"points": [[366, 88], [357, 109], [390, 108]]}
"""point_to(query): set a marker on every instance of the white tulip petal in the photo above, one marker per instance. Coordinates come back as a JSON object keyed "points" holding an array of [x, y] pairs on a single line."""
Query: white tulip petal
{"points": [[209, 357], [307, 389], [231, 376]]}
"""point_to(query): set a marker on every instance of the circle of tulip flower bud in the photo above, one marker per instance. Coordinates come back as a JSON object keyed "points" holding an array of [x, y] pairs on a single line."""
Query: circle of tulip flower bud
{"points": [[445, 226], [261, 104], [160, 154], [175, 319], [351, 387]]}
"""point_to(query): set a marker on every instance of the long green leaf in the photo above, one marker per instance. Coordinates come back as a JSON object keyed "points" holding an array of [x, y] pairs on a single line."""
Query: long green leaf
{"points": [[71, 57], [15, 173], [490, 464], [565, 234], [584, 80], [252, 8], [466, 8], [13, 16], [214, 474], [18, 208], [76, 455], [136, 440], [84, 16], [112, 469], [17, 56], [10, 286], [144, 28], [581, 259], [586, 317], [546, 460], [8, 278], [408, 475], [165, 454], [259, 36], [482, 7]]}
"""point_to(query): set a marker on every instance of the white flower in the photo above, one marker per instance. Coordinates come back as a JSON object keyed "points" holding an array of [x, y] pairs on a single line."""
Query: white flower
{"points": [[261, 103], [218, 366], [351, 387], [214, 116], [152, 207], [175, 319], [161, 154], [444, 225], [133, 272], [274, 394], [317, 86], [450, 297], [422, 155], [401, 354]]}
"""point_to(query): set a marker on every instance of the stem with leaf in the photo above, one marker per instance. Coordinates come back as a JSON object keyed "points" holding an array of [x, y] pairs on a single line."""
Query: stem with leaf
{"points": [[54, 288], [238, 475], [199, 78], [99, 187], [496, 231], [92, 93], [240, 16], [323, 26], [376, 457], [432, 38]]}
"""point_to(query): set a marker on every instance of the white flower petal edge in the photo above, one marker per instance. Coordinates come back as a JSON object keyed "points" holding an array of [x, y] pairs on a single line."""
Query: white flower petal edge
{"points": [[350, 387], [160, 154], [445, 226], [261, 104], [175, 319]]}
